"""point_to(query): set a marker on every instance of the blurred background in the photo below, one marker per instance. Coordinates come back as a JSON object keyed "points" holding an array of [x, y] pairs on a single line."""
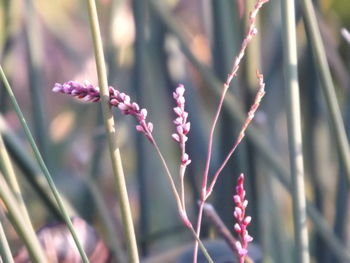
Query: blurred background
{"points": [[151, 47]]}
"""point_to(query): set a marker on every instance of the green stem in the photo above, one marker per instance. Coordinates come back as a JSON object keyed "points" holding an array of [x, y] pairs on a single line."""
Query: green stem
{"points": [[30, 170], [26, 233], [202, 247], [294, 131], [111, 135], [327, 85], [5, 251], [43, 166], [9, 173], [34, 47]]}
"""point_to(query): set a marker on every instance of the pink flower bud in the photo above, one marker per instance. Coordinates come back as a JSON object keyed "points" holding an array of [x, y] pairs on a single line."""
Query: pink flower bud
{"points": [[237, 228], [245, 203], [150, 126], [247, 220], [236, 199], [176, 137], [179, 130], [180, 90], [139, 128], [178, 111], [186, 127]]}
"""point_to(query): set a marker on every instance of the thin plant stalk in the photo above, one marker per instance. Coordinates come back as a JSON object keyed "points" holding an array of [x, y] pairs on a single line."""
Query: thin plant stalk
{"points": [[179, 202], [11, 178], [15, 216], [102, 209], [111, 135], [253, 134], [33, 44], [294, 131], [43, 166], [30, 170], [328, 88], [5, 251]]}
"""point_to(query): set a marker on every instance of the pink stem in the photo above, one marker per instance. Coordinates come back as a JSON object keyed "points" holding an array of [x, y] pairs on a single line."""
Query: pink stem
{"points": [[198, 230]]}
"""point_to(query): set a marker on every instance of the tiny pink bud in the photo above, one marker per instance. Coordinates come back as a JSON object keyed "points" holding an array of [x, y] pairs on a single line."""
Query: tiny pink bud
{"points": [[122, 106], [181, 100], [114, 102], [139, 128], [176, 137], [135, 106], [178, 111], [57, 88], [247, 220], [237, 228], [179, 130], [187, 127], [237, 213], [178, 121], [180, 90], [150, 126], [240, 250], [245, 203], [236, 199]]}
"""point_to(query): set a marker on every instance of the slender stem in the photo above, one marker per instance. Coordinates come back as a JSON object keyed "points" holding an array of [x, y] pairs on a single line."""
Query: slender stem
{"points": [[111, 134], [14, 214], [258, 97], [31, 171], [115, 241], [205, 252], [181, 209], [9, 173], [327, 85], [5, 251], [172, 183], [43, 166], [294, 131], [182, 184], [34, 47], [198, 230], [210, 144]]}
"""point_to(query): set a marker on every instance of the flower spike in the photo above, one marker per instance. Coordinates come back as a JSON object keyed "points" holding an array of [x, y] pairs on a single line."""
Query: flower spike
{"points": [[242, 221], [87, 92]]}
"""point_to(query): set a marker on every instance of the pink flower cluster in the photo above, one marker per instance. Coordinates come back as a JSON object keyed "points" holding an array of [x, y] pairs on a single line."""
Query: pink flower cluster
{"points": [[87, 92], [182, 126], [242, 220]]}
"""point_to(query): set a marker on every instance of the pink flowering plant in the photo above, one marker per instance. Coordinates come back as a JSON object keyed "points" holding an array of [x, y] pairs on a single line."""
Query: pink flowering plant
{"points": [[89, 93], [242, 221]]}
